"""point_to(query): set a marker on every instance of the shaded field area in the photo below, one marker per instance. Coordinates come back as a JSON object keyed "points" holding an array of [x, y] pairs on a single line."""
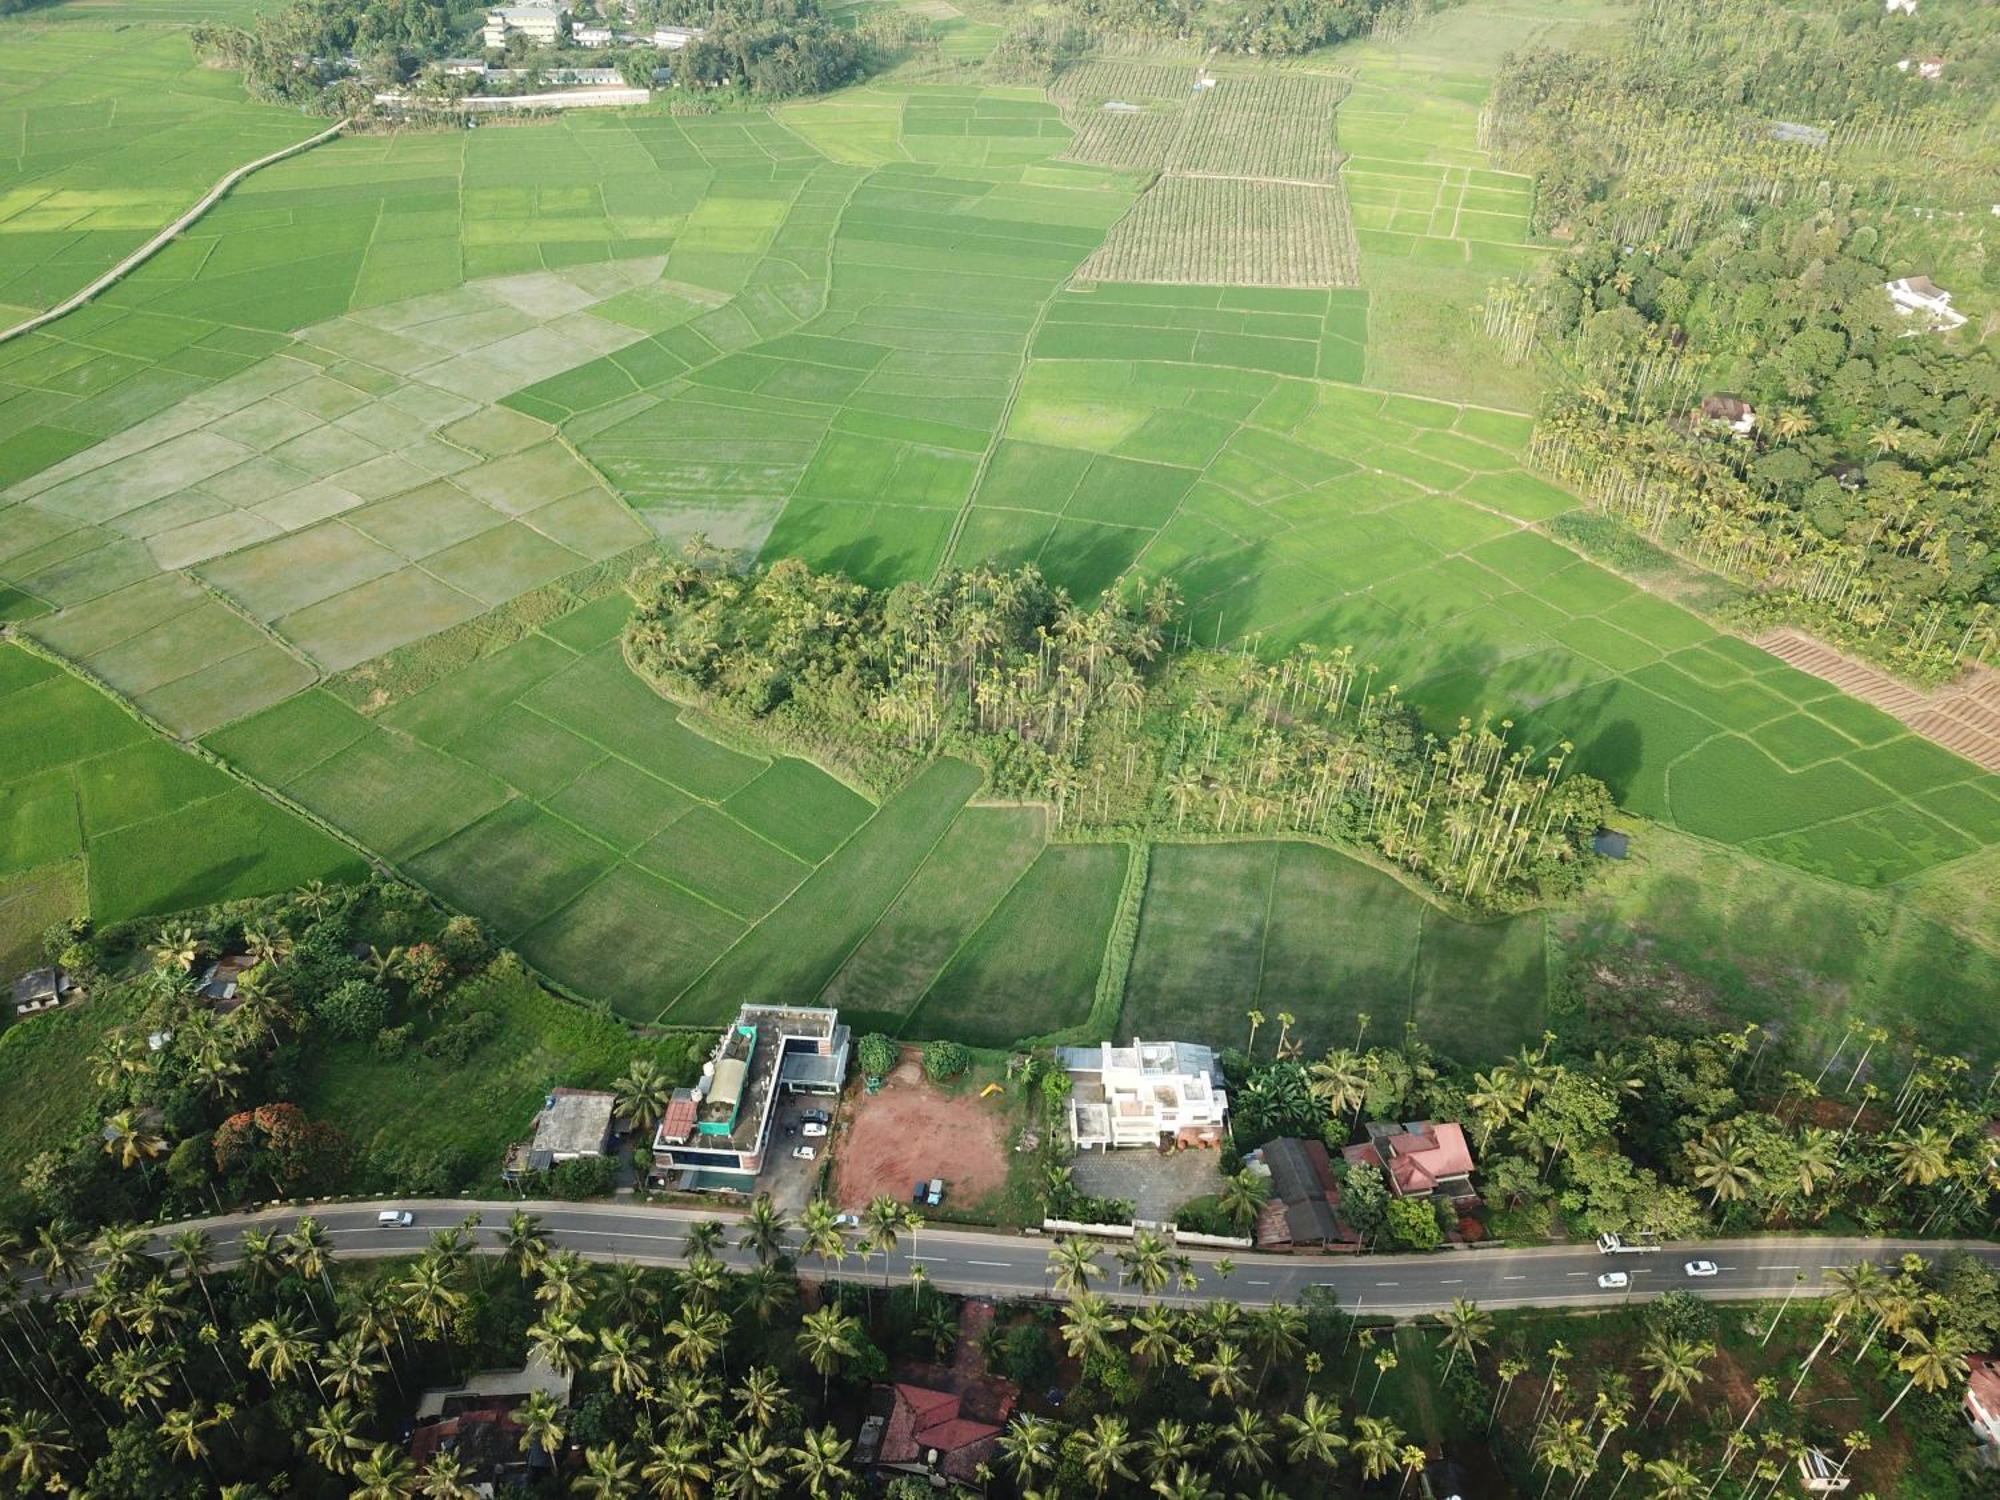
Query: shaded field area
{"points": [[1294, 513], [1286, 926], [158, 829]]}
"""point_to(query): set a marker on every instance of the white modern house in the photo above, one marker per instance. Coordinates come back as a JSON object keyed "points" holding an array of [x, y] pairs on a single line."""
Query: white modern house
{"points": [[1157, 1094], [1919, 296], [540, 24]]}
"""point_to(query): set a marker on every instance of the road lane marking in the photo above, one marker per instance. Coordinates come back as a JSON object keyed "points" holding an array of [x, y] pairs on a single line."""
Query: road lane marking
{"points": [[1454, 1282], [1003, 1265], [1775, 1268], [1260, 1283], [1388, 1283], [1576, 1273], [1513, 1278]]}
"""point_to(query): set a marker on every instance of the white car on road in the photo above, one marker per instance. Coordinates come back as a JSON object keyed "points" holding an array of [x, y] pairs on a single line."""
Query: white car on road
{"points": [[804, 1153], [1614, 1281], [1702, 1268], [812, 1129]]}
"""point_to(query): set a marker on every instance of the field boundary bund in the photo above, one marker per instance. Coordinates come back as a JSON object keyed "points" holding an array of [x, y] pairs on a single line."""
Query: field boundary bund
{"points": [[173, 231]]}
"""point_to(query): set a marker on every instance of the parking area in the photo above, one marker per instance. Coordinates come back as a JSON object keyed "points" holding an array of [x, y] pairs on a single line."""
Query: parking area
{"points": [[913, 1130], [1156, 1182], [785, 1177]]}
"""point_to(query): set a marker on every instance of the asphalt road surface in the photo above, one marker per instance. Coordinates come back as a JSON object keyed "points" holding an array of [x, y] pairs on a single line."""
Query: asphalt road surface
{"points": [[996, 1264]]}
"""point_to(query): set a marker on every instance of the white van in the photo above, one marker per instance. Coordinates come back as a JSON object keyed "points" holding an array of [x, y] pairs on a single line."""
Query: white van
{"points": [[395, 1218]]}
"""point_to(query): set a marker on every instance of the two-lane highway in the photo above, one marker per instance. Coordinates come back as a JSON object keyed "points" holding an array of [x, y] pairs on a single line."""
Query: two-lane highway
{"points": [[985, 1263]]}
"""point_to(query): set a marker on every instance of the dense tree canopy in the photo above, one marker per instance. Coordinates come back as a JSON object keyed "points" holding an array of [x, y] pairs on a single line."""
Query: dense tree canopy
{"points": [[1089, 710]]}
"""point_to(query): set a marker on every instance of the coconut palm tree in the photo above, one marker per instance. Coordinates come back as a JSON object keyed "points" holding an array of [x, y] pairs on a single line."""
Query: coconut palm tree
{"points": [[524, 1243], [332, 1438], [279, 1347], [643, 1094], [1245, 1441], [821, 1234], [883, 1222], [385, 1474], [607, 1474], [1029, 1444], [762, 1397], [351, 1367], [819, 1463], [1677, 1369], [1378, 1444], [1088, 1323], [1933, 1361], [676, 1470], [1277, 1332], [1466, 1327], [133, 1142], [1169, 1443], [828, 1336], [1242, 1198], [1145, 1262], [194, 1253], [1314, 1432], [1157, 1335], [764, 1230], [447, 1477], [1223, 1373], [1673, 1480], [698, 1336], [1074, 1262], [559, 1342], [542, 1427], [621, 1359], [183, 1430], [1102, 1451], [1184, 1483], [687, 1397], [1920, 1157], [1723, 1165]]}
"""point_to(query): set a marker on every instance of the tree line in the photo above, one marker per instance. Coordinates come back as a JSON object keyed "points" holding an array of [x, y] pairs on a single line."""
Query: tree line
{"points": [[1113, 717]]}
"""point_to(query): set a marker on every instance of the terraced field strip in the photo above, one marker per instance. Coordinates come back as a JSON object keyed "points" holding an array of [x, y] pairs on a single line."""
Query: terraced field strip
{"points": [[1964, 717]]}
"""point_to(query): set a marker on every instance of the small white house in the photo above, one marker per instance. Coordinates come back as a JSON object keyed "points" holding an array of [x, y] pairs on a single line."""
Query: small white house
{"points": [[1902, 7], [1930, 69], [1919, 296], [592, 37]]}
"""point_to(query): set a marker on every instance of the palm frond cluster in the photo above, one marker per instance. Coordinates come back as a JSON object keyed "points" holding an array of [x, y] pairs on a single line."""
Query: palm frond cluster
{"points": [[1111, 717]]}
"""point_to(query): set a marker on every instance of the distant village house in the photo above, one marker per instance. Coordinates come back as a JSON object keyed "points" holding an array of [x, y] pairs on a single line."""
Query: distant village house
{"points": [[42, 989], [1920, 297]]}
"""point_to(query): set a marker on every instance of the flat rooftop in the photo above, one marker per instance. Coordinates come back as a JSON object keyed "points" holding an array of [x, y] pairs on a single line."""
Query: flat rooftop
{"points": [[574, 1122]]}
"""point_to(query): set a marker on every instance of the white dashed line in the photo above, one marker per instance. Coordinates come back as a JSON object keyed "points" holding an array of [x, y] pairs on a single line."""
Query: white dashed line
{"points": [[1388, 1283]]}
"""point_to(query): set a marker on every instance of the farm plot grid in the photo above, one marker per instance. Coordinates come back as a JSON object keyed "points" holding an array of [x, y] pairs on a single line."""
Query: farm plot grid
{"points": [[937, 124], [355, 491], [853, 436], [549, 792], [106, 135], [1250, 189], [158, 828], [1296, 513]]}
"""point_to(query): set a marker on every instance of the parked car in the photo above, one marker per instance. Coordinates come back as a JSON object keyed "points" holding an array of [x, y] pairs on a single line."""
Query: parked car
{"points": [[920, 1194], [935, 1195], [812, 1129], [1614, 1281], [395, 1218], [848, 1221], [1702, 1268], [815, 1117], [804, 1153]]}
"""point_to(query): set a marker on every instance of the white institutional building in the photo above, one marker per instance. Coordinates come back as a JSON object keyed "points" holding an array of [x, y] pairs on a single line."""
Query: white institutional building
{"points": [[1156, 1094]]}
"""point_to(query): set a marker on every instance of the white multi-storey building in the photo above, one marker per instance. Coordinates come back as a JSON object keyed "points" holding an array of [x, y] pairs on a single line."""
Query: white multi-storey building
{"points": [[1156, 1094]]}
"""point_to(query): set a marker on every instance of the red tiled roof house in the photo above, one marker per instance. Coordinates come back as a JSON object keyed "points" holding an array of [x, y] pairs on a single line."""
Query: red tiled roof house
{"points": [[1420, 1159]]}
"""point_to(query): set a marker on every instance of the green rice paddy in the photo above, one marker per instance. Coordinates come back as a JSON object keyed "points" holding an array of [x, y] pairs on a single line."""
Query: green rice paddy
{"points": [[397, 386], [154, 827]]}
